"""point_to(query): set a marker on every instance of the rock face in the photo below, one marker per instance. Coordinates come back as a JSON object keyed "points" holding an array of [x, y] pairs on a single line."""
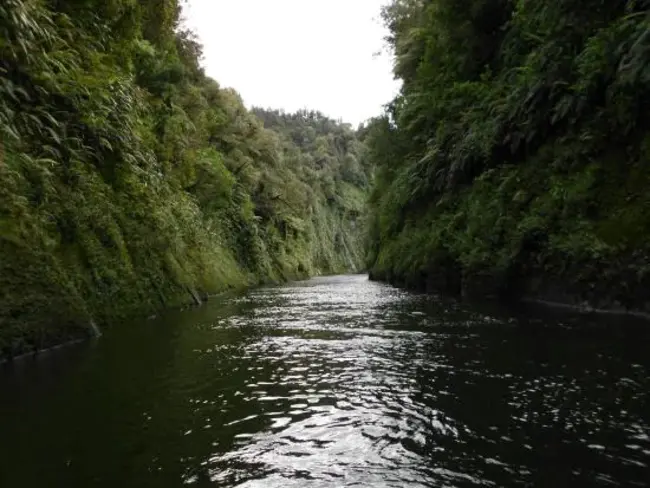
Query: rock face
{"points": [[598, 295], [605, 287]]}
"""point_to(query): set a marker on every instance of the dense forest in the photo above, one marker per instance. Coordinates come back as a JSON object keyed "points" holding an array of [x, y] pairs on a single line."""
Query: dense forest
{"points": [[513, 162], [515, 159], [130, 181]]}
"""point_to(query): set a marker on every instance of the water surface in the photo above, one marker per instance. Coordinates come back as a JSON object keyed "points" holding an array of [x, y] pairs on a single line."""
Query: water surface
{"points": [[334, 382]]}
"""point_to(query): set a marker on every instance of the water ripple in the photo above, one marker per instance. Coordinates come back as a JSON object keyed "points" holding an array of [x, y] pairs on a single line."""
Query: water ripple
{"points": [[358, 391], [340, 382]]}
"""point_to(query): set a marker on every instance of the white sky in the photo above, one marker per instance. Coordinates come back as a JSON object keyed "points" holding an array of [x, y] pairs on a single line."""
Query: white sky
{"points": [[293, 54]]}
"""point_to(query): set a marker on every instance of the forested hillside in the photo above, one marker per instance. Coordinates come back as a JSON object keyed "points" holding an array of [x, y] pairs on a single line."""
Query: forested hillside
{"points": [[327, 156], [129, 181], [516, 158]]}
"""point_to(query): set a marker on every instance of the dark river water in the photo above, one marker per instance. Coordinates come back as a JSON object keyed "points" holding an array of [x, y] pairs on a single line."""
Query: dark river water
{"points": [[334, 382]]}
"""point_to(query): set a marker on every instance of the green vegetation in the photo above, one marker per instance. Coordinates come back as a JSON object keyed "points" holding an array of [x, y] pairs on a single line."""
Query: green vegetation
{"points": [[129, 181], [515, 159]]}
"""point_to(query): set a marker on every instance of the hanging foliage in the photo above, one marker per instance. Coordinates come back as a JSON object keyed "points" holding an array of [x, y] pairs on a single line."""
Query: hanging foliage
{"points": [[518, 154], [129, 181]]}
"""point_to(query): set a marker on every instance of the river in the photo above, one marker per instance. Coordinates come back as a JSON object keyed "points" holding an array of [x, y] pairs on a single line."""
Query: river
{"points": [[334, 382]]}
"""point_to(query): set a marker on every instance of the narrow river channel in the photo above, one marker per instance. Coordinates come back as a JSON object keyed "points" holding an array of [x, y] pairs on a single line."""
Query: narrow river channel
{"points": [[334, 382]]}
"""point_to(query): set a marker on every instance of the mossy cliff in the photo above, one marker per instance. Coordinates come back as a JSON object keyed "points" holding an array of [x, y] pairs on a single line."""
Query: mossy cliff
{"points": [[131, 182], [515, 161]]}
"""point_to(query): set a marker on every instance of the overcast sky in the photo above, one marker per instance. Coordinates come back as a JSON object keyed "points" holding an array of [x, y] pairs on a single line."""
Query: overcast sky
{"points": [[293, 54]]}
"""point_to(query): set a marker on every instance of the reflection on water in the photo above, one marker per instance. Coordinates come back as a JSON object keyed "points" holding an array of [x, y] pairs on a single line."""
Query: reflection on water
{"points": [[335, 382]]}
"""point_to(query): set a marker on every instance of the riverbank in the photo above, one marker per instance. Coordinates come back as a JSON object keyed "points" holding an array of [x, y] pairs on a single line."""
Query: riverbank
{"points": [[30, 339], [34, 340], [586, 297]]}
